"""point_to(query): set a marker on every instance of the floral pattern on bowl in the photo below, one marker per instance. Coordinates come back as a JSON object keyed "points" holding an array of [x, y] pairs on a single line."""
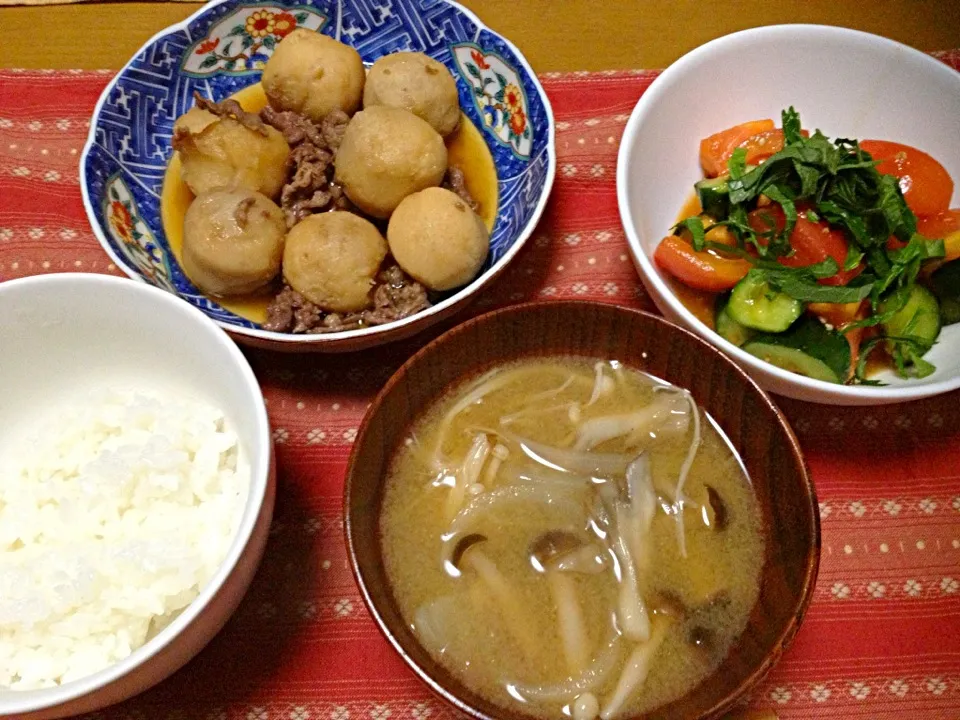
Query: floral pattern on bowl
{"points": [[133, 236], [132, 126], [498, 95], [244, 41]]}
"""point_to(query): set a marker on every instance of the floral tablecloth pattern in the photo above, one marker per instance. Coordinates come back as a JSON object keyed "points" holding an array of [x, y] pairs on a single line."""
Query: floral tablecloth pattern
{"points": [[881, 640]]}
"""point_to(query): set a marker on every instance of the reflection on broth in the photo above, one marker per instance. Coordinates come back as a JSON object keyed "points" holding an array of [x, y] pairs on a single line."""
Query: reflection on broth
{"points": [[574, 538], [466, 150]]}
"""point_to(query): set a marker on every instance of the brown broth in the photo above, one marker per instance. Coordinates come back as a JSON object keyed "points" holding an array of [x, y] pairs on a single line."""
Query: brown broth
{"points": [[465, 148], [476, 642]]}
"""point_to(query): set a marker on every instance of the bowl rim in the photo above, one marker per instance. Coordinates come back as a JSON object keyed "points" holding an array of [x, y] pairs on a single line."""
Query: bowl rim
{"points": [[818, 390], [290, 339], [18, 702], [812, 561]]}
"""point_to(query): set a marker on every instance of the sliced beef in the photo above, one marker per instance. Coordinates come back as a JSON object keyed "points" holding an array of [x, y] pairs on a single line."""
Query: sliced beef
{"points": [[296, 128], [455, 181], [333, 127], [242, 212], [280, 310], [231, 109], [291, 312], [310, 188], [395, 296]]}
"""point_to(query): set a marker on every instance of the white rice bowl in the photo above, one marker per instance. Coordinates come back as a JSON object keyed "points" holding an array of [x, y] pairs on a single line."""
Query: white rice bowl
{"points": [[114, 515]]}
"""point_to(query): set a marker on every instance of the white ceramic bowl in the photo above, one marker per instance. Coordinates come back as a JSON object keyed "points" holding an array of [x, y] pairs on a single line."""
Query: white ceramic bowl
{"points": [[61, 333], [845, 82]]}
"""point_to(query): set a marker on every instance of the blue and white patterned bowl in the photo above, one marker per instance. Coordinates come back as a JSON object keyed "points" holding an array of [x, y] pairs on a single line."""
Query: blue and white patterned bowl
{"points": [[222, 48]]}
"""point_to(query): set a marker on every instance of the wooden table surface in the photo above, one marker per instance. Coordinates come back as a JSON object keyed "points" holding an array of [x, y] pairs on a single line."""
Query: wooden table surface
{"points": [[553, 34]]}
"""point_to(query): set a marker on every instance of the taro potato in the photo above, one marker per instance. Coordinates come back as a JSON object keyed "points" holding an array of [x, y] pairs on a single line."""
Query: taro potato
{"points": [[313, 74], [225, 154], [194, 120], [386, 154], [232, 242], [417, 83], [438, 239], [332, 259]]}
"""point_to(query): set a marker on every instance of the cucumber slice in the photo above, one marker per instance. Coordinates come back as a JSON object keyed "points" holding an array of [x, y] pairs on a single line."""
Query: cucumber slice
{"points": [[807, 348], [919, 318], [754, 304], [714, 197], [945, 283], [728, 328], [949, 311], [796, 361]]}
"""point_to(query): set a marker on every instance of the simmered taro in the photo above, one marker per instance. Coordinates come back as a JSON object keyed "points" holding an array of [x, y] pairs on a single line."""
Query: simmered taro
{"points": [[313, 74], [438, 239], [232, 242], [291, 140], [386, 155], [551, 534], [332, 258], [412, 81], [223, 148]]}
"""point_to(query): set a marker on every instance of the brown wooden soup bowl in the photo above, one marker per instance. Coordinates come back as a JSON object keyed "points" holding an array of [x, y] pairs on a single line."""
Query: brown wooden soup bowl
{"points": [[753, 424]]}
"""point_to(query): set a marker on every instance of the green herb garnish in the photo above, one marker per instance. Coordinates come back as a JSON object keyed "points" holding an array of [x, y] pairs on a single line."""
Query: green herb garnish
{"points": [[837, 182]]}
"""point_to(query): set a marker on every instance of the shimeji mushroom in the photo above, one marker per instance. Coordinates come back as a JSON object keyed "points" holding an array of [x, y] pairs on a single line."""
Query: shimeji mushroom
{"points": [[636, 669], [632, 612], [468, 475], [602, 385], [558, 553], [671, 605], [468, 557], [585, 707], [667, 413], [594, 677], [499, 453], [679, 498], [717, 517], [630, 540]]}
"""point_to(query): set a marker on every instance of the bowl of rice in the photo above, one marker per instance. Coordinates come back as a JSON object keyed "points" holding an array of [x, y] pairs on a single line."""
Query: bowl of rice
{"points": [[136, 489]]}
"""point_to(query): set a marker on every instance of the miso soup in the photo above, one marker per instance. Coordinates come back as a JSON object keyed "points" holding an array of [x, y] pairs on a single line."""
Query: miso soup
{"points": [[573, 538]]}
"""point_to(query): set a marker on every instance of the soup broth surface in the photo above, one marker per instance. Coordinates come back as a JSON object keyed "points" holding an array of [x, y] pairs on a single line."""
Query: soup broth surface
{"points": [[466, 149], [541, 473]]}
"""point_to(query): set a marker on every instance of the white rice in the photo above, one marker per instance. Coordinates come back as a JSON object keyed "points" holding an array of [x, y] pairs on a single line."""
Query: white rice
{"points": [[112, 519]]}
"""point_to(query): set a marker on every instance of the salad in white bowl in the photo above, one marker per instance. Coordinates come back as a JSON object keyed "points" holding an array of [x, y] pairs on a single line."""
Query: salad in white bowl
{"points": [[793, 215]]}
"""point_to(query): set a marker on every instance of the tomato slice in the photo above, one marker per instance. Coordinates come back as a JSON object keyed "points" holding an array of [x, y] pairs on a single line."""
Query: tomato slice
{"points": [[837, 314], [718, 148], [945, 225], [700, 302], [812, 242], [704, 270], [926, 185], [939, 225], [761, 146]]}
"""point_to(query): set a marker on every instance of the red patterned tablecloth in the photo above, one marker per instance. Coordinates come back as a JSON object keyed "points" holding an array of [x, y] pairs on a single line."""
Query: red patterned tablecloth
{"points": [[881, 640]]}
